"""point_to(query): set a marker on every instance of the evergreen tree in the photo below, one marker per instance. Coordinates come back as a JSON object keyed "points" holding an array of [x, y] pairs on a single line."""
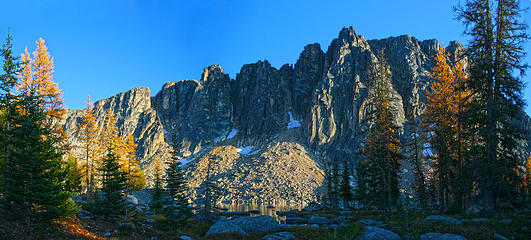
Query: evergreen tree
{"points": [[111, 201], [379, 178], [413, 149], [8, 80], [74, 174], [178, 207], [496, 52], [36, 76], [346, 189], [38, 190], [33, 178], [158, 190]]}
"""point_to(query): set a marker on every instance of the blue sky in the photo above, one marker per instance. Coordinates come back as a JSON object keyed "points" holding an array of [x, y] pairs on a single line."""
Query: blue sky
{"points": [[105, 47]]}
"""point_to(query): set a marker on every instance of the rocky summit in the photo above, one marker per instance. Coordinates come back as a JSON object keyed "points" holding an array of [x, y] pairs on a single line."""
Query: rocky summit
{"points": [[270, 134]]}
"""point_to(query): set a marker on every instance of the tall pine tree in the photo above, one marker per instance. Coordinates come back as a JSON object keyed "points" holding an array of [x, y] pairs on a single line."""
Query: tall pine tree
{"points": [[178, 207], [110, 201], [378, 173], [496, 50], [34, 187]]}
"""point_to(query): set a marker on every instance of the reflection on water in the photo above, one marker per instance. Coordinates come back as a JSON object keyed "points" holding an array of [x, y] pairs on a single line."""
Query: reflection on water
{"points": [[262, 209]]}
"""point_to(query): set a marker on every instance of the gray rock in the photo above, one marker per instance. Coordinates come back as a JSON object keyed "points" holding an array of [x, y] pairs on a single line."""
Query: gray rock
{"points": [[506, 221], [318, 220], [499, 237], [224, 225], [333, 226], [313, 206], [441, 236], [370, 222], [295, 220], [132, 200], [473, 210], [279, 236], [479, 220], [376, 233], [262, 223], [437, 219], [340, 219], [127, 224]]}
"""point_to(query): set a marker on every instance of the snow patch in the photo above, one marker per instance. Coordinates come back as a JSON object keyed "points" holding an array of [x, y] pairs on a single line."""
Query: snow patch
{"points": [[188, 159], [245, 150], [232, 133], [292, 122]]}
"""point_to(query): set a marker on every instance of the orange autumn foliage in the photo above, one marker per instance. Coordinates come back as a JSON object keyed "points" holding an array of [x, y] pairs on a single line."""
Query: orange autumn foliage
{"points": [[37, 76]]}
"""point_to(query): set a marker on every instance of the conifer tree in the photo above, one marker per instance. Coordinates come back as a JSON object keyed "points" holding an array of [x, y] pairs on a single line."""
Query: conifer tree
{"points": [[74, 174], [8, 100], [178, 207], [36, 176], [135, 177], [89, 135], [440, 118], [111, 202], [379, 178], [346, 189], [37, 75], [496, 50], [413, 149], [158, 190], [33, 178]]}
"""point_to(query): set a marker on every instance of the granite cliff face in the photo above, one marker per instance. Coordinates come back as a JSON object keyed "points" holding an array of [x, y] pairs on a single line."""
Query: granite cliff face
{"points": [[270, 133]]}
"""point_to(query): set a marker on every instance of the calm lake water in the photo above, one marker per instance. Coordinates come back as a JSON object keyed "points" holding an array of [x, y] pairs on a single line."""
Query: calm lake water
{"points": [[262, 208]]}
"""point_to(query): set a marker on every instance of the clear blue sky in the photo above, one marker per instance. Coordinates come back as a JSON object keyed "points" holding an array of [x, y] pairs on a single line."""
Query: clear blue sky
{"points": [[105, 47]]}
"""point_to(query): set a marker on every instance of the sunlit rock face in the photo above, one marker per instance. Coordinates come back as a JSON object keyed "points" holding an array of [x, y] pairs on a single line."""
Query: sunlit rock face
{"points": [[271, 133], [136, 116]]}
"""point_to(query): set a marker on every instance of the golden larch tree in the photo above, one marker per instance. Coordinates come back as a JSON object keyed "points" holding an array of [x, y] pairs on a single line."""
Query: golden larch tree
{"points": [[36, 76], [130, 164], [446, 99], [89, 134]]}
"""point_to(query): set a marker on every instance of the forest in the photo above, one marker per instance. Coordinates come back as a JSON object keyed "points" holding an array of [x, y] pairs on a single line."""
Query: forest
{"points": [[471, 172]]}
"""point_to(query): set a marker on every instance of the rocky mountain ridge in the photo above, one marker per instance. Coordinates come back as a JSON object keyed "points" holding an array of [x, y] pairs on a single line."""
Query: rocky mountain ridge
{"points": [[270, 123]]}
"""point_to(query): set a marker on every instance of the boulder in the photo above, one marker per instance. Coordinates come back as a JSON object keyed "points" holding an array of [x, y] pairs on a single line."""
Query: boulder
{"points": [[376, 233], [279, 236], [499, 237], [437, 219], [506, 221], [441, 236], [340, 220], [318, 220], [224, 225], [295, 220], [262, 223], [313, 206], [143, 197], [132, 200], [479, 220], [370, 222], [473, 210]]}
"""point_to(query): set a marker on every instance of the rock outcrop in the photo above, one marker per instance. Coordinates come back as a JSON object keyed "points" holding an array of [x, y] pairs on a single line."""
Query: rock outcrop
{"points": [[271, 133]]}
